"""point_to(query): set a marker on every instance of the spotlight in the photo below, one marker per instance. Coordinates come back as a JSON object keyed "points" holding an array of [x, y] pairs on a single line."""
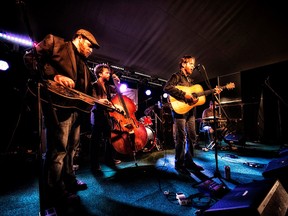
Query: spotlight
{"points": [[4, 65], [148, 92], [16, 39], [123, 87], [165, 95]]}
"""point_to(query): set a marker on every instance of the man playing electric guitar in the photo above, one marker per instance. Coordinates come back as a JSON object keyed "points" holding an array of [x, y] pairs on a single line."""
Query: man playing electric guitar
{"points": [[184, 121]]}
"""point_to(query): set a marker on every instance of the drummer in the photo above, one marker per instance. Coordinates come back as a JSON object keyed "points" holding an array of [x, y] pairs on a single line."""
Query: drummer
{"points": [[207, 125]]}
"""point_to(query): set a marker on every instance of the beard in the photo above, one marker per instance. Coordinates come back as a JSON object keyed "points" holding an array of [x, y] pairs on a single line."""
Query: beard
{"points": [[83, 51]]}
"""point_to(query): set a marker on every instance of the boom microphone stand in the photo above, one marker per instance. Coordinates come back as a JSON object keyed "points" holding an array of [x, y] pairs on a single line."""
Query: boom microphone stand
{"points": [[217, 173]]}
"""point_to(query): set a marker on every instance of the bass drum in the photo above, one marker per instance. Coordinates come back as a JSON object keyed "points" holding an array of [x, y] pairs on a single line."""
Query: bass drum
{"points": [[151, 139]]}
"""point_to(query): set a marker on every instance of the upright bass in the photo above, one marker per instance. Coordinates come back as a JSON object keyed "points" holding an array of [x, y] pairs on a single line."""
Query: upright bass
{"points": [[128, 135]]}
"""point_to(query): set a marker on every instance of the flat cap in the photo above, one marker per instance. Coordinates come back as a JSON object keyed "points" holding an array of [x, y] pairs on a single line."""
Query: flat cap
{"points": [[89, 37]]}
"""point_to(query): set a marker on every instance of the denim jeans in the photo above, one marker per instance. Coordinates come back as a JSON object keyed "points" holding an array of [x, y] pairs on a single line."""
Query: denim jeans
{"points": [[63, 140], [185, 138], [209, 131]]}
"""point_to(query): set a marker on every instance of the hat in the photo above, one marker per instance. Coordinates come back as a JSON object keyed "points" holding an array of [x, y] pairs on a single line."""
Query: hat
{"points": [[89, 37]]}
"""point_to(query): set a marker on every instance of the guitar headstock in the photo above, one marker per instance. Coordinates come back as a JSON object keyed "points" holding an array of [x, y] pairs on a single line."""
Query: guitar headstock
{"points": [[230, 85]]}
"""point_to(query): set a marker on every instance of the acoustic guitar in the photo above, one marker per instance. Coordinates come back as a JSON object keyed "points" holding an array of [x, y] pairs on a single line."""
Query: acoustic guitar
{"points": [[65, 97], [196, 91]]}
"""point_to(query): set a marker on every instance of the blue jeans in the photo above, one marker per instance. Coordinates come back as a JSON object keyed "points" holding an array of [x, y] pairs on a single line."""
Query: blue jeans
{"points": [[62, 140], [185, 138], [209, 131]]}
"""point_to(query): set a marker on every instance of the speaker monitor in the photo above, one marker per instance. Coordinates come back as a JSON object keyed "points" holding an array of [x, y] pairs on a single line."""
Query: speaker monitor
{"points": [[233, 138], [283, 152], [276, 168], [259, 198]]}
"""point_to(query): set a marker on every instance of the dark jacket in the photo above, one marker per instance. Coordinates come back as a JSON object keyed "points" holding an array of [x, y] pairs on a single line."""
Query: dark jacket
{"points": [[56, 56], [179, 79]]}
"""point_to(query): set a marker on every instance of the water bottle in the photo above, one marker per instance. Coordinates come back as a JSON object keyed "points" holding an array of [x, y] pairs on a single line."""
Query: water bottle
{"points": [[227, 172]]}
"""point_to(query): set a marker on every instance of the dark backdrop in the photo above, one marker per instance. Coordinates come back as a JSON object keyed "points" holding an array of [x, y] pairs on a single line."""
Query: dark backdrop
{"points": [[263, 86]]}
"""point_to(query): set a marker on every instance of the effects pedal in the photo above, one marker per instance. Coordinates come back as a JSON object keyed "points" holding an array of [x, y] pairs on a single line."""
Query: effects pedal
{"points": [[182, 200]]}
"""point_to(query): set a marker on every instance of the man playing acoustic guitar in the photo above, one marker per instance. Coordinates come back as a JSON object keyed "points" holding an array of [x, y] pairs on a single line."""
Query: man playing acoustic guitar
{"points": [[184, 120]]}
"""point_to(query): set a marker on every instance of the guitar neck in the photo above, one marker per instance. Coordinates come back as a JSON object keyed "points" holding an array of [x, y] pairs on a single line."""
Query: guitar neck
{"points": [[210, 91], [205, 93]]}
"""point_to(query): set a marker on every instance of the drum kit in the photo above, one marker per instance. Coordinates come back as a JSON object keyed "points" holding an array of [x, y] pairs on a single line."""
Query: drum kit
{"points": [[149, 124], [151, 134]]}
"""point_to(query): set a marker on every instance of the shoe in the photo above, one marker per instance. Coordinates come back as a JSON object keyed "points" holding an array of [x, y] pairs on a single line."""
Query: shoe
{"points": [[77, 186], [117, 161], [205, 149], [194, 167]]}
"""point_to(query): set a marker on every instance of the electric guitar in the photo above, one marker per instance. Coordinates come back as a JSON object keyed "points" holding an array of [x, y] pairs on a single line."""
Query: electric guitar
{"points": [[196, 91], [65, 97]]}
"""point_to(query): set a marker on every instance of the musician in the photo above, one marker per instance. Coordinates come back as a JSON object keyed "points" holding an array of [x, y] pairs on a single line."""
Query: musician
{"points": [[64, 62], [208, 121], [184, 123], [100, 119]]}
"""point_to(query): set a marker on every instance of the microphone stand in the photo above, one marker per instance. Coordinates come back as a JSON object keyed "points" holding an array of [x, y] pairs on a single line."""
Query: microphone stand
{"points": [[226, 128], [156, 140], [217, 173]]}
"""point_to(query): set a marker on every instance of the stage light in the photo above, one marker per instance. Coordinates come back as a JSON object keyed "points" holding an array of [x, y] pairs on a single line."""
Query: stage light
{"points": [[148, 92], [165, 95], [123, 87], [4, 65], [21, 40]]}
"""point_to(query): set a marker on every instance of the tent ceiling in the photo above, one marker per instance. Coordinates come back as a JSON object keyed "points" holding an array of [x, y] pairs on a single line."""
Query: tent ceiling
{"points": [[149, 36]]}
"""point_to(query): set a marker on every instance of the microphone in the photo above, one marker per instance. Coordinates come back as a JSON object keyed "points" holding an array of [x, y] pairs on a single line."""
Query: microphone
{"points": [[197, 67]]}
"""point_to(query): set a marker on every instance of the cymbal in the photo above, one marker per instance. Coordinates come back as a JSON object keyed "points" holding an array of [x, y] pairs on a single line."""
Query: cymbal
{"points": [[210, 118]]}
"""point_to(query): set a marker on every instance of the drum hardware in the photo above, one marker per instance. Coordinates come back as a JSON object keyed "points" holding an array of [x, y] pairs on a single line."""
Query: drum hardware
{"points": [[153, 140], [211, 145], [146, 120], [156, 119]]}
